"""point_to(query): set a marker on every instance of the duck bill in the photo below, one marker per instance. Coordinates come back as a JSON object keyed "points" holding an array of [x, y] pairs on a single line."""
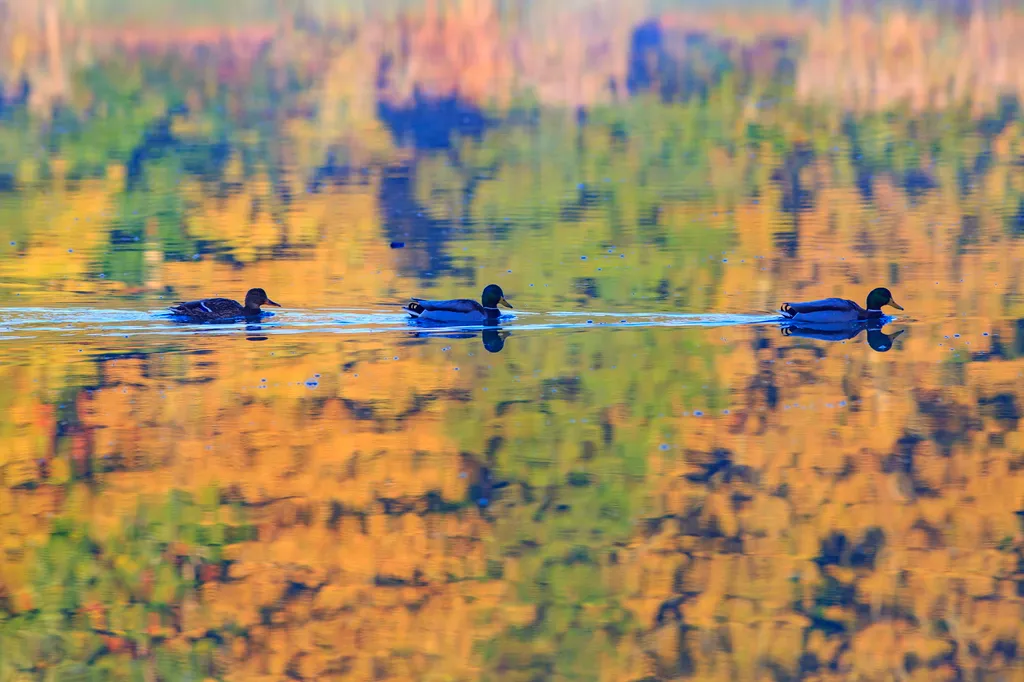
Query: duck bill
{"points": [[895, 305], [278, 305], [505, 303]]}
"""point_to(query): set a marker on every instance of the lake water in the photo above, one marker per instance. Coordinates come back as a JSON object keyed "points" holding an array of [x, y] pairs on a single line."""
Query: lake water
{"points": [[637, 475]]}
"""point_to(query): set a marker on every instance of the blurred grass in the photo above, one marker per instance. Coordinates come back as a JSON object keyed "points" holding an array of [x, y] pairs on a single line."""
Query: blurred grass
{"points": [[112, 13]]}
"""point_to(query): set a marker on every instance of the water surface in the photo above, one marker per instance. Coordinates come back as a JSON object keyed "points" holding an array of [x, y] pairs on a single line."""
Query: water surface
{"points": [[637, 475]]}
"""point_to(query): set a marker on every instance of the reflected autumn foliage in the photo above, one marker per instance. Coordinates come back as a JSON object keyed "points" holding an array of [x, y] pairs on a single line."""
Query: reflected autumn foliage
{"points": [[633, 503]]}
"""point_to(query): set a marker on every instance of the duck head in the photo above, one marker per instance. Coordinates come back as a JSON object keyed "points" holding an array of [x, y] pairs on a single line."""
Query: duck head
{"points": [[493, 296], [254, 298], [880, 297]]}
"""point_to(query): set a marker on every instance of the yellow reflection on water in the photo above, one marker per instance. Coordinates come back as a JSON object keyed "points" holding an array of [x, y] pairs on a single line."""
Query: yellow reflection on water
{"points": [[717, 501]]}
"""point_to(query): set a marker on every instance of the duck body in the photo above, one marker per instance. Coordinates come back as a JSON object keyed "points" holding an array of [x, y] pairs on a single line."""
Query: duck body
{"points": [[223, 309], [828, 311], [460, 310], [838, 311]]}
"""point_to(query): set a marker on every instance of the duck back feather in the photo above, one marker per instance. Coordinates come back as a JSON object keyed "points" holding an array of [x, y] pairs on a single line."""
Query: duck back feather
{"points": [[454, 310], [209, 309], [827, 310]]}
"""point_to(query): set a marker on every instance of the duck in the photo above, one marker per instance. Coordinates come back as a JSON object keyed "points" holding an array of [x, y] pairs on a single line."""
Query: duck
{"points": [[212, 309], [833, 311], [460, 310]]}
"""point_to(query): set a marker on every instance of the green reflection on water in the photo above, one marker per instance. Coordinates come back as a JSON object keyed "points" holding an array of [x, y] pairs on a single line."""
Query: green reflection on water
{"points": [[564, 502]]}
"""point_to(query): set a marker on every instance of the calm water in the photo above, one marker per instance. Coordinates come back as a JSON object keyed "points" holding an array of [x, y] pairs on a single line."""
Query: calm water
{"points": [[636, 476]]}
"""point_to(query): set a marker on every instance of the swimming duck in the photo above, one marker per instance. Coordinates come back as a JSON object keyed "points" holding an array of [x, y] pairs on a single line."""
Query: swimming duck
{"points": [[210, 309], [839, 310], [460, 310]]}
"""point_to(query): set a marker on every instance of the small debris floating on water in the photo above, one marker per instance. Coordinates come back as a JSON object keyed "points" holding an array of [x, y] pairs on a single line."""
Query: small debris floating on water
{"points": [[397, 245]]}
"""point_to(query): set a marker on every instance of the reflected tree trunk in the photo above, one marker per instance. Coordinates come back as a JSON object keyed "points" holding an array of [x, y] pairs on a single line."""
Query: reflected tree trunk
{"points": [[32, 52]]}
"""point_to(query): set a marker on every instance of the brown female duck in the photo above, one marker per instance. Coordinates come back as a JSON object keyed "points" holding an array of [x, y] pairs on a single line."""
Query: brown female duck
{"points": [[211, 309]]}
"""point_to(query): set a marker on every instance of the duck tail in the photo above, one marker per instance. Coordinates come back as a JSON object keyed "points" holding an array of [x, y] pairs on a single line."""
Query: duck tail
{"points": [[414, 309], [786, 311]]}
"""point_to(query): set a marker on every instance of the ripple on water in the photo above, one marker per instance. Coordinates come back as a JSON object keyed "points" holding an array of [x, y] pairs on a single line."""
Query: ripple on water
{"points": [[27, 323]]}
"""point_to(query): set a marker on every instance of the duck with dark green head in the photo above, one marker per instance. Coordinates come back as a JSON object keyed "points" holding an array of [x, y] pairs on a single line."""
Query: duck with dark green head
{"points": [[460, 310], [222, 309], [832, 311]]}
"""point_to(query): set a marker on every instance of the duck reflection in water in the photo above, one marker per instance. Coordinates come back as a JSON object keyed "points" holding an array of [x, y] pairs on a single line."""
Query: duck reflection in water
{"points": [[877, 339], [493, 339], [253, 332]]}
